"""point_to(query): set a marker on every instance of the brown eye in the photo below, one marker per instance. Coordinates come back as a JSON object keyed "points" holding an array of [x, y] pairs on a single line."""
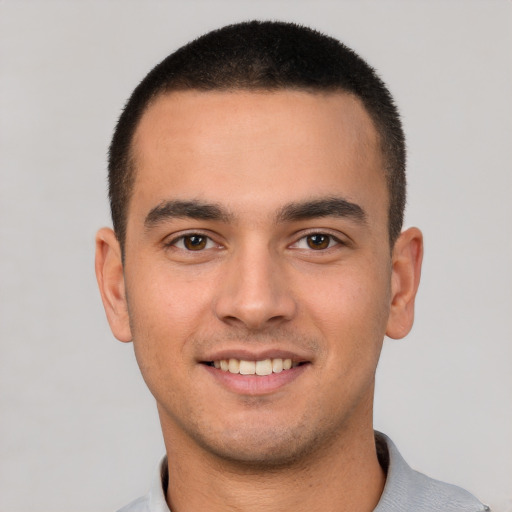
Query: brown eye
{"points": [[318, 241], [195, 242]]}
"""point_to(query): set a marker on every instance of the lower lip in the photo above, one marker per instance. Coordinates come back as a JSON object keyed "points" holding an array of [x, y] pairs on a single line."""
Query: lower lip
{"points": [[256, 384]]}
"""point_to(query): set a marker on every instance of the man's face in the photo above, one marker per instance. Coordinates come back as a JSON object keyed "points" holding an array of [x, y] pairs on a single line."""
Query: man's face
{"points": [[257, 232]]}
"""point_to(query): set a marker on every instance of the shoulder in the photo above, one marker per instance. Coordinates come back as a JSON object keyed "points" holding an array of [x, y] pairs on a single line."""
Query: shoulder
{"points": [[407, 489], [139, 505], [154, 501], [430, 494]]}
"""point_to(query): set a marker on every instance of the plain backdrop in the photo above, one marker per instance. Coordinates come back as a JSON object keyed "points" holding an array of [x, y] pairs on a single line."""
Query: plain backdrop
{"points": [[78, 428]]}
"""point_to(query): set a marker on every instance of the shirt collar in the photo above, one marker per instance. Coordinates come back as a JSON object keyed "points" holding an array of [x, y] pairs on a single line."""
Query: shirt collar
{"points": [[407, 489], [157, 501]]}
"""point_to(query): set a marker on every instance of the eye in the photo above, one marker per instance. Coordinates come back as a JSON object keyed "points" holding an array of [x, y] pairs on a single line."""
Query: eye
{"points": [[193, 242], [316, 242]]}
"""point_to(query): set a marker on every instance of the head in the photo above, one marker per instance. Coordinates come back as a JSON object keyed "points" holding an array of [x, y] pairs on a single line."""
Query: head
{"points": [[262, 56], [257, 185]]}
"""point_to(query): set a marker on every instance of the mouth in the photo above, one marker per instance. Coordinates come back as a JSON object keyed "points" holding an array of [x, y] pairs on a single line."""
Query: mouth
{"points": [[261, 368]]}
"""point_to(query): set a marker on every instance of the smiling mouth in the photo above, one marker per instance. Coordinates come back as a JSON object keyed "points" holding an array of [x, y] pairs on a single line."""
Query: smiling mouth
{"points": [[263, 367]]}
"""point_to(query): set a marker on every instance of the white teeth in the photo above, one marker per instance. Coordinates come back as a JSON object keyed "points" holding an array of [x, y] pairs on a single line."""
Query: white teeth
{"points": [[247, 367], [277, 365], [234, 366], [264, 367]]}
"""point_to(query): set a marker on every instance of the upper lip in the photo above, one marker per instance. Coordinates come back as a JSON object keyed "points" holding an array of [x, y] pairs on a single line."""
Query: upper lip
{"points": [[255, 355]]}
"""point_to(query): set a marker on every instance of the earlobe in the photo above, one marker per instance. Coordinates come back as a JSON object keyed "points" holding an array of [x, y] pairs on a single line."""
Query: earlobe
{"points": [[110, 276], [405, 279]]}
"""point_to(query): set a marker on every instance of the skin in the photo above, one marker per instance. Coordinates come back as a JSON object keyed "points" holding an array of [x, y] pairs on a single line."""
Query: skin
{"points": [[258, 286]]}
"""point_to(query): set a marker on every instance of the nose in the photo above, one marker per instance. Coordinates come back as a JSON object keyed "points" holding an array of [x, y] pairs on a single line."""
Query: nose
{"points": [[255, 292]]}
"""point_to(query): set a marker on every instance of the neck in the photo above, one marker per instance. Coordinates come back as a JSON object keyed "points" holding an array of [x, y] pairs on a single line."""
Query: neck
{"points": [[345, 476]]}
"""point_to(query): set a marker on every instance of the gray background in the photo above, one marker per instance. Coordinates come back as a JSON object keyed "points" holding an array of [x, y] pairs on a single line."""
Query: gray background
{"points": [[78, 429]]}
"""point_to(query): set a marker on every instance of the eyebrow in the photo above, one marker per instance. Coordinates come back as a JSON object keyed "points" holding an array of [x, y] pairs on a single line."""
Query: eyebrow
{"points": [[192, 209], [296, 211], [323, 207]]}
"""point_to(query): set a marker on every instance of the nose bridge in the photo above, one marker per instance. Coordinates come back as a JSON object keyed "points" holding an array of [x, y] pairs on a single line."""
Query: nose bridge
{"points": [[254, 291]]}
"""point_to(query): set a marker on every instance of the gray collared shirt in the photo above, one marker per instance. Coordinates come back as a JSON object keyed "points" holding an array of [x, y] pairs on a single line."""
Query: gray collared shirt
{"points": [[406, 490]]}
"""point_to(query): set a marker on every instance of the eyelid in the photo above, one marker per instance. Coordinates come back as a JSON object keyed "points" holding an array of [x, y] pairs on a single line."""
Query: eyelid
{"points": [[339, 238], [333, 242], [172, 240]]}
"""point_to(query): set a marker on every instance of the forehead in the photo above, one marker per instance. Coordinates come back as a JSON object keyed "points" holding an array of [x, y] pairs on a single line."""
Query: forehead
{"points": [[190, 114], [245, 143]]}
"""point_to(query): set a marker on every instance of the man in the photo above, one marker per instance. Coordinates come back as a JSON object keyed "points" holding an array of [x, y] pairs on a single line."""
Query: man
{"points": [[257, 187]]}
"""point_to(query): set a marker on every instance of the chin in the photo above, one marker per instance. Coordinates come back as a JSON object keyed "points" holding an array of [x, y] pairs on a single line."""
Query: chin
{"points": [[257, 447]]}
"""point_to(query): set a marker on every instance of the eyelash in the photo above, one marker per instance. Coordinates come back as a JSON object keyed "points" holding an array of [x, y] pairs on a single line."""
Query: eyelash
{"points": [[332, 241], [209, 243]]}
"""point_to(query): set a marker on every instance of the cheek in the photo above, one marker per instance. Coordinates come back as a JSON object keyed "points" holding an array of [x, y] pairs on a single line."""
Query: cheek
{"points": [[165, 312], [163, 300], [351, 308]]}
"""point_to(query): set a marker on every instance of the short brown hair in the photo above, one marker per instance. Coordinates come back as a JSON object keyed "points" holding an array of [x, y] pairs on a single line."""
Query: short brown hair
{"points": [[260, 55]]}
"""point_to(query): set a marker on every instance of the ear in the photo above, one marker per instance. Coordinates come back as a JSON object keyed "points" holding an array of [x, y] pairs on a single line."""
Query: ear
{"points": [[405, 279], [110, 276]]}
